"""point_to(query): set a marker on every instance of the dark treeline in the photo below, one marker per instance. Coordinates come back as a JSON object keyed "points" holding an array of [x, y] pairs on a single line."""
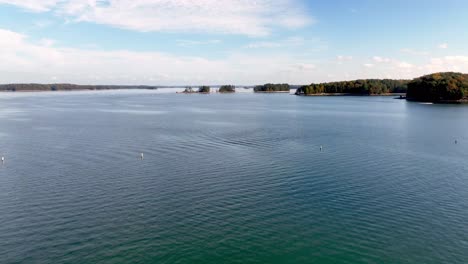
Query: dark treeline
{"points": [[270, 87], [439, 87], [357, 87], [66, 87], [227, 89], [204, 89]]}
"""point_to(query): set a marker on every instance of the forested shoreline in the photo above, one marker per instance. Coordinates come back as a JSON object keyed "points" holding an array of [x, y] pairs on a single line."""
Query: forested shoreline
{"points": [[272, 88], [67, 87], [356, 87], [443, 87]]}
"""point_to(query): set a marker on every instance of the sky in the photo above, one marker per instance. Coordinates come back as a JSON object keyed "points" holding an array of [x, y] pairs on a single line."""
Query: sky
{"points": [[240, 42]]}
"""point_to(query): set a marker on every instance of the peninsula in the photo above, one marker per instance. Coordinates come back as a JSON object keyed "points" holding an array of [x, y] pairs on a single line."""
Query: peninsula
{"points": [[356, 87]]}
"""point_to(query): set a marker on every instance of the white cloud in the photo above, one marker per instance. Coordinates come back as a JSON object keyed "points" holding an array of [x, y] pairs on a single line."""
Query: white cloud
{"points": [[340, 59], [186, 42], [263, 44], [245, 17], [405, 65], [443, 46], [448, 63], [414, 52], [305, 66], [285, 43], [42, 23], [47, 42], [380, 59], [32, 5], [344, 58], [26, 61]]}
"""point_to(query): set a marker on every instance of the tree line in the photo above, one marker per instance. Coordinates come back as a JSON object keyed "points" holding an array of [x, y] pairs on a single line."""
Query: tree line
{"points": [[227, 89], [270, 87], [67, 87], [439, 87], [357, 87]]}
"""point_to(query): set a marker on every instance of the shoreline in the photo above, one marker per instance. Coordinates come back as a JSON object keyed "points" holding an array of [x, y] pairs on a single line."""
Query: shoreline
{"points": [[350, 94], [271, 91], [75, 90], [462, 101]]}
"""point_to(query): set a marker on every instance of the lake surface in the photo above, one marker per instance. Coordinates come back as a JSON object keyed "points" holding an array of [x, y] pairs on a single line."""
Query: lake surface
{"points": [[235, 178]]}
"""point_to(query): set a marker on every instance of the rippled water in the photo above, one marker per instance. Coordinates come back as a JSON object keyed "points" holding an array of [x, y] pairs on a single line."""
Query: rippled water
{"points": [[235, 178]]}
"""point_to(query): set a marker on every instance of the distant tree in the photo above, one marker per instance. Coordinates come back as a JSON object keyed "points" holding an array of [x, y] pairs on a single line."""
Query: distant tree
{"points": [[66, 87], [361, 87], [188, 89], [269, 87], [227, 89], [204, 89]]}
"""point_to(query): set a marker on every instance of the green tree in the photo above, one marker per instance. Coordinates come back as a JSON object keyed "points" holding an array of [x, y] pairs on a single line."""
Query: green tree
{"points": [[436, 87], [204, 89], [227, 89], [269, 87]]}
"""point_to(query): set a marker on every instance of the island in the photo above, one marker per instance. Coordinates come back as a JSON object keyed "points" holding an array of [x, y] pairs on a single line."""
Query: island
{"points": [[356, 87], [204, 89], [227, 89], [442, 87], [33, 87], [272, 88]]}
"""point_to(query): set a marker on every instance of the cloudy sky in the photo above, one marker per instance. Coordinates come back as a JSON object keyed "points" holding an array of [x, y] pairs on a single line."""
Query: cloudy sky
{"points": [[177, 42]]}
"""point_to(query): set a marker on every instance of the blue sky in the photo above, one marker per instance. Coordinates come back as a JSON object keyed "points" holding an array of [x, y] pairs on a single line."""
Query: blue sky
{"points": [[177, 42]]}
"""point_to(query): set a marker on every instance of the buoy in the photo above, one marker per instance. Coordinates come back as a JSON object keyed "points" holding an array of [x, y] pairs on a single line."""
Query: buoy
{"points": [[321, 148], [3, 159], [142, 156]]}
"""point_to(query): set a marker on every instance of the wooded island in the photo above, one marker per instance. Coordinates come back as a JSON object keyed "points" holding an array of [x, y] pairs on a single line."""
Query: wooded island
{"points": [[272, 88], [444, 87]]}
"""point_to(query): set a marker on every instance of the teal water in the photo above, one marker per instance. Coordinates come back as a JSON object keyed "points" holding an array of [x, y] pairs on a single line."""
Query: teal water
{"points": [[233, 178]]}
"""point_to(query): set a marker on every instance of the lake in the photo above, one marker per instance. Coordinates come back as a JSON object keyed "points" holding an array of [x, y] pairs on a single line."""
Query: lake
{"points": [[231, 178]]}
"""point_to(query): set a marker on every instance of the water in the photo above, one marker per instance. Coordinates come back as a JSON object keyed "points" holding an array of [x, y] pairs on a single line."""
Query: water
{"points": [[235, 178]]}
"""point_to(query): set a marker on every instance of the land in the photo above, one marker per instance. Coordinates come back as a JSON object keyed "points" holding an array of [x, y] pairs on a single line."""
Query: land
{"points": [[35, 87], [356, 87], [201, 90], [227, 89], [442, 87], [207, 89], [272, 88]]}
